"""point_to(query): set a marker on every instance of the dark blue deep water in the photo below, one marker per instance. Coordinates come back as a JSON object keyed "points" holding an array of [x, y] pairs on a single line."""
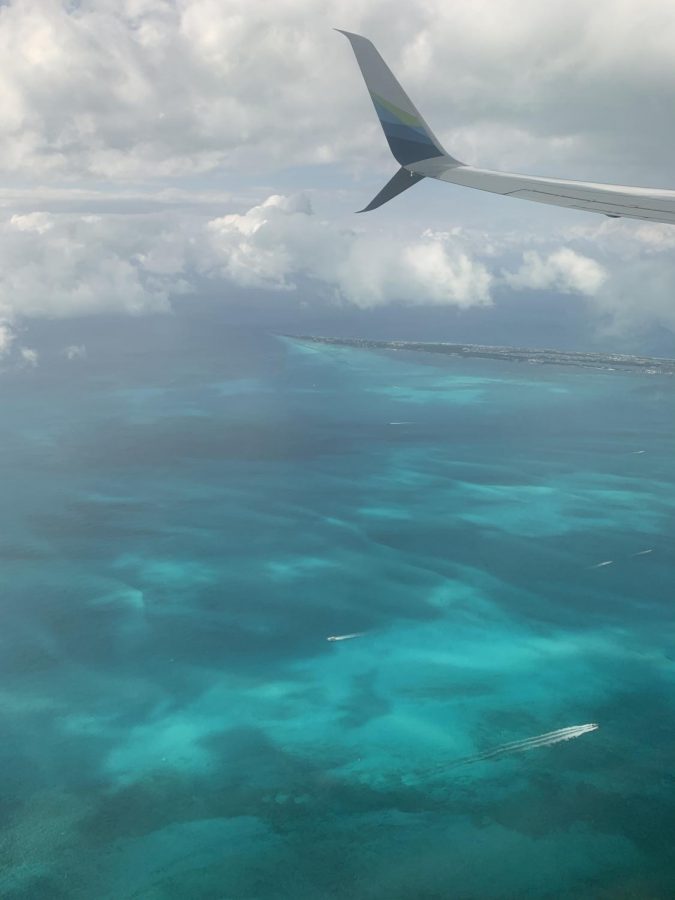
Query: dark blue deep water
{"points": [[184, 523]]}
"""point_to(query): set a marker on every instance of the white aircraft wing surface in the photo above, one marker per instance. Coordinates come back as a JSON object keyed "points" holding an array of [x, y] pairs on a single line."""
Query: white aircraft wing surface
{"points": [[421, 155], [611, 199]]}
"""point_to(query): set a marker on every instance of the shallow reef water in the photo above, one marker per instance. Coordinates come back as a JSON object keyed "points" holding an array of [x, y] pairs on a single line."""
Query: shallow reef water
{"points": [[180, 535]]}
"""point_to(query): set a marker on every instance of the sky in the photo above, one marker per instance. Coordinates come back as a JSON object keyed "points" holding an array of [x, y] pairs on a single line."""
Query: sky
{"points": [[163, 156]]}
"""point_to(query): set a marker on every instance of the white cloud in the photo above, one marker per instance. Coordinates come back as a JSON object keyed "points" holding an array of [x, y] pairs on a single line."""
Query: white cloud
{"points": [[563, 270], [62, 265], [58, 264], [276, 243], [39, 222], [638, 295], [29, 357], [633, 288], [75, 351], [127, 94], [124, 89]]}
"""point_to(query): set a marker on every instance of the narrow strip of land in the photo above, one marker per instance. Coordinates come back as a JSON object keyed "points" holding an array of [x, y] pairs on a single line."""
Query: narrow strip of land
{"points": [[610, 362]]}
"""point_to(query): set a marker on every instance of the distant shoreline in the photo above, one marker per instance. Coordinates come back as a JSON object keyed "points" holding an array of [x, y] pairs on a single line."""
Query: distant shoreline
{"points": [[609, 362]]}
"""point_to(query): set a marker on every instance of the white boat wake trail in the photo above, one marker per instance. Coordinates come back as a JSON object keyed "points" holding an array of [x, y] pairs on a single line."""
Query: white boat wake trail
{"points": [[541, 740], [345, 637]]}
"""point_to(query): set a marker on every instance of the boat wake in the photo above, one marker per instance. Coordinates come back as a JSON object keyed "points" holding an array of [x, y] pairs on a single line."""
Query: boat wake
{"points": [[541, 740]]}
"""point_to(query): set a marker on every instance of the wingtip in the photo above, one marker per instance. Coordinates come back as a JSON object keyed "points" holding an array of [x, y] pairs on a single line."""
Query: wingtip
{"points": [[349, 34]]}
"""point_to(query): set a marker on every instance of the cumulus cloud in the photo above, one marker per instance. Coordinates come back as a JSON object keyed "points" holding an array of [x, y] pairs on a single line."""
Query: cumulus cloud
{"points": [[638, 296], [61, 265], [130, 89], [57, 265], [277, 242], [563, 270], [630, 285], [64, 264], [134, 89]]}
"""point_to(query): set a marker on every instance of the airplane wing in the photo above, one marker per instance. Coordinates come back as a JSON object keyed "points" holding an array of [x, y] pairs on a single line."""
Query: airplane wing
{"points": [[612, 200], [421, 155]]}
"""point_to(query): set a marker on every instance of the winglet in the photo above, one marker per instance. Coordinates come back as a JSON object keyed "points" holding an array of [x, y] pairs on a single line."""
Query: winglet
{"points": [[410, 138], [401, 181]]}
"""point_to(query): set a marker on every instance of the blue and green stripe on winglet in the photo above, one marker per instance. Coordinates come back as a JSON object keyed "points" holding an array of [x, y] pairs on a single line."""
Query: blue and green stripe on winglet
{"points": [[406, 134]]}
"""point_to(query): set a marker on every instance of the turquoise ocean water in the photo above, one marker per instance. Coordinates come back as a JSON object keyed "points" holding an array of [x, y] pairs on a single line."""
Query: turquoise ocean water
{"points": [[181, 532]]}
